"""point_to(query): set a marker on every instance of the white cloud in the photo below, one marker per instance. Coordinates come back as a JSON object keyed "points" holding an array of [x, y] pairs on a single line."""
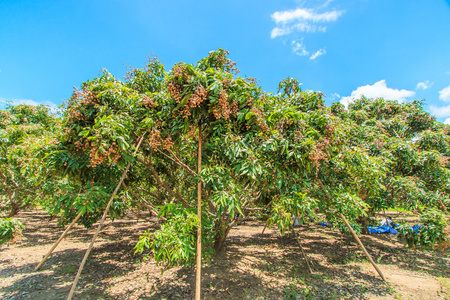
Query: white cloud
{"points": [[424, 85], [448, 72], [440, 112], [303, 20], [302, 27], [24, 101], [444, 94], [317, 54], [447, 121], [334, 96], [53, 107], [299, 48], [280, 32], [377, 90], [302, 14]]}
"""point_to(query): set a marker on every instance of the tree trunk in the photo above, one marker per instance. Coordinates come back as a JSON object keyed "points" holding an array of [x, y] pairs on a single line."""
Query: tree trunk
{"points": [[14, 206], [219, 239], [364, 221], [222, 233]]}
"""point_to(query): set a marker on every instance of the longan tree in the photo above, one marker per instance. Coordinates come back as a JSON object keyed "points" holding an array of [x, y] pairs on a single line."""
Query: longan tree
{"points": [[285, 153]]}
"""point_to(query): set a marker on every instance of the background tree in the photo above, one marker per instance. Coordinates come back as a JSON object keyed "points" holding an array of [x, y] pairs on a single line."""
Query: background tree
{"points": [[25, 132]]}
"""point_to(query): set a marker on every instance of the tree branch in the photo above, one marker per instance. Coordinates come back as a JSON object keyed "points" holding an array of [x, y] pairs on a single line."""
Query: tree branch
{"points": [[145, 203], [178, 161], [158, 179]]}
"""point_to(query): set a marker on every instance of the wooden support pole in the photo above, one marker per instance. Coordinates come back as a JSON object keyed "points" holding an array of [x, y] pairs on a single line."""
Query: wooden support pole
{"points": [[301, 248], [58, 241], [264, 229], [198, 284], [353, 232], [105, 213], [361, 246]]}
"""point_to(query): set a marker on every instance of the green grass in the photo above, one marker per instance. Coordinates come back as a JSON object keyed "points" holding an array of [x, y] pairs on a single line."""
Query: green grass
{"points": [[71, 269]]}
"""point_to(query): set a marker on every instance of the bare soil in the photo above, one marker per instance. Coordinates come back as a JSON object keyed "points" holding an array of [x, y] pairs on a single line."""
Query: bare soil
{"points": [[250, 266]]}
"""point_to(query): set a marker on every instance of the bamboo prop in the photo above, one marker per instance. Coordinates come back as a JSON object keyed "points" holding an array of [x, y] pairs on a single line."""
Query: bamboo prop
{"points": [[301, 248], [442, 205], [362, 246], [198, 284], [264, 228], [353, 232], [57, 242], [105, 213]]}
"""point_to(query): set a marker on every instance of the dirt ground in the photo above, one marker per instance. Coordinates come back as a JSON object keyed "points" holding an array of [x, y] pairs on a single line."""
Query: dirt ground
{"points": [[251, 266]]}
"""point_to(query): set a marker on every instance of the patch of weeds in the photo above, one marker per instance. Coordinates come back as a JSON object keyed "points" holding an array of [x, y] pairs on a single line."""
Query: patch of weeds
{"points": [[445, 286], [361, 289], [379, 259], [291, 292], [70, 269], [212, 286], [365, 261], [270, 268], [295, 273], [281, 270]]}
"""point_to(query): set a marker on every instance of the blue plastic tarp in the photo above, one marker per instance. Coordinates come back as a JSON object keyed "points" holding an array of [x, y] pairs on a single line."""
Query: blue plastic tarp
{"points": [[416, 228], [382, 229]]}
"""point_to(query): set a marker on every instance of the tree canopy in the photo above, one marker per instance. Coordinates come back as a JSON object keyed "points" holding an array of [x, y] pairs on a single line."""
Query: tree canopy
{"points": [[283, 154]]}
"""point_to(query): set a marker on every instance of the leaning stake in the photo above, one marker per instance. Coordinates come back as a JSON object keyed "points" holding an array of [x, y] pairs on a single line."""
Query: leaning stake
{"points": [[301, 248], [362, 246], [352, 231], [198, 284], [58, 241], [105, 213]]}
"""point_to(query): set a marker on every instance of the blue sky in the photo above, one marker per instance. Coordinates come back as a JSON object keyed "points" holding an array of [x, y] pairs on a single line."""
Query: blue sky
{"points": [[380, 48]]}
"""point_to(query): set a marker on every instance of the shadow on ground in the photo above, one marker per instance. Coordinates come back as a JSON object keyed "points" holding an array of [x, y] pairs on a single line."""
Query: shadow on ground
{"points": [[250, 266]]}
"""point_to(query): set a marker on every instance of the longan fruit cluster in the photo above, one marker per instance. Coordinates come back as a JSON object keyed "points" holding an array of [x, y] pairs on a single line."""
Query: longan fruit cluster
{"points": [[75, 115], [198, 97], [167, 143], [200, 94], [180, 71], [193, 131], [227, 64], [79, 146], [298, 135], [225, 109], [329, 129], [443, 160], [84, 96], [79, 99], [154, 139], [379, 143], [318, 154], [175, 91], [260, 119], [148, 101], [102, 155]]}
